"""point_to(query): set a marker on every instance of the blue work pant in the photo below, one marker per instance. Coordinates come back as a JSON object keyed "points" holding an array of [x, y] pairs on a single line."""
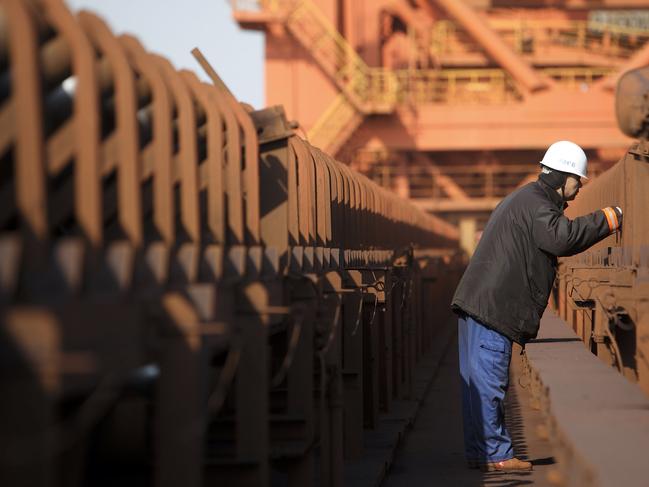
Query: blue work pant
{"points": [[484, 369]]}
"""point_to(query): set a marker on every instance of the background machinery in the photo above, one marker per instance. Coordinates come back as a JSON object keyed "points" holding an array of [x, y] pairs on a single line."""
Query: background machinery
{"points": [[451, 103]]}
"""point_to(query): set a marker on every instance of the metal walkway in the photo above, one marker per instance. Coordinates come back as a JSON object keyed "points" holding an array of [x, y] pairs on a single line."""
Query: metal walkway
{"points": [[432, 453], [562, 403]]}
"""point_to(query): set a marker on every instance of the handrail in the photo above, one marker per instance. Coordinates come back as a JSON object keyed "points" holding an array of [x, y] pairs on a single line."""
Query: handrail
{"points": [[528, 78], [326, 132], [476, 181], [614, 39]]}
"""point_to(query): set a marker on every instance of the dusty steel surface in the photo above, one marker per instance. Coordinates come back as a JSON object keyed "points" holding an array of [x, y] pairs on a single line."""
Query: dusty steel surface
{"points": [[597, 421], [189, 292]]}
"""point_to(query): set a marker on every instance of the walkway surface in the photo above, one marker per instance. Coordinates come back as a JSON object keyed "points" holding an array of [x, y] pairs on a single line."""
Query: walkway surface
{"points": [[432, 452]]}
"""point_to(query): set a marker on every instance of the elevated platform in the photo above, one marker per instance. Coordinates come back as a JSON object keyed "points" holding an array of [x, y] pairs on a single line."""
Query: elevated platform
{"points": [[577, 420]]}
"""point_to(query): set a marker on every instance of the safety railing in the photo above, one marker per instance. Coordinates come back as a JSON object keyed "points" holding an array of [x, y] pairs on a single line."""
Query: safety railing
{"points": [[447, 37], [368, 88], [378, 90], [578, 78], [335, 125], [336, 56], [530, 36], [187, 281], [432, 181], [456, 86], [475, 181], [609, 39], [448, 87]]}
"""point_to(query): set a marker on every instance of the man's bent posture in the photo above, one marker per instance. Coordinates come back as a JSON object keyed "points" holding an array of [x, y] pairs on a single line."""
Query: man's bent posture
{"points": [[504, 291]]}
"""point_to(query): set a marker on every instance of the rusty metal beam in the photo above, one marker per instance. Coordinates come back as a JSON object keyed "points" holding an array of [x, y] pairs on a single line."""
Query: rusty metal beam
{"points": [[495, 47]]}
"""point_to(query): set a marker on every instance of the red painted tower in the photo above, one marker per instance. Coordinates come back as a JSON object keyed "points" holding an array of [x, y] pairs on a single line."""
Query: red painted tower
{"points": [[451, 102]]}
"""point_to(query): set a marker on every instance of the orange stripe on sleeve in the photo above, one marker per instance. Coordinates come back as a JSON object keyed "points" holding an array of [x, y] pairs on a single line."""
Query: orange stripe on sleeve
{"points": [[614, 213], [611, 218]]}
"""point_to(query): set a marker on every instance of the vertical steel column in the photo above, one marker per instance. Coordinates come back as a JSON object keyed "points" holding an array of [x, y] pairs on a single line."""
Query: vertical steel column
{"points": [[252, 421], [384, 327], [29, 386], [371, 357], [300, 401], [352, 356], [179, 423], [397, 333]]}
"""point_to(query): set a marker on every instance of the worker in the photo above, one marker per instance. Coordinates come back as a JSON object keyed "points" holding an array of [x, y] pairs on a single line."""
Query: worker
{"points": [[504, 292]]}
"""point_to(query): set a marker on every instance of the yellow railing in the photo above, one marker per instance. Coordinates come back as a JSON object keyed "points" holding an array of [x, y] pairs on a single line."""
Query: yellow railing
{"points": [[477, 181], [577, 78], [367, 90], [363, 89], [377, 90], [340, 116], [456, 86], [527, 36], [448, 38], [427, 181], [370, 89], [553, 24], [617, 29], [605, 38]]}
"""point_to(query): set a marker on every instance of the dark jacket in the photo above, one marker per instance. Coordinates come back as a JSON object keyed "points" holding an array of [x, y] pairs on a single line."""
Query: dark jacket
{"points": [[508, 281]]}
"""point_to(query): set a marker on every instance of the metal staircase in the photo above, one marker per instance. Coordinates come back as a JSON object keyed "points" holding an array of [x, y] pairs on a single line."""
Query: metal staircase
{"points": [[364, 90], [371, 90], [368, 90], [336, 125]]}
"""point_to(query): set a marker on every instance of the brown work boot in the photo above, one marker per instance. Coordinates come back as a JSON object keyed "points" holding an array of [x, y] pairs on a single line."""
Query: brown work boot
{"points": [[511, 465]]}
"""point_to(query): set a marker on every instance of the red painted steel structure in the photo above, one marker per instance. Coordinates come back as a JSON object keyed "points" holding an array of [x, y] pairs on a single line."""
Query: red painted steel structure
{"points": [[418, 94]]}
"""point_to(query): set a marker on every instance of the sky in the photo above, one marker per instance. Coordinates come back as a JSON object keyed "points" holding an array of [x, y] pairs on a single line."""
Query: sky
{"points": [[173, 28]]}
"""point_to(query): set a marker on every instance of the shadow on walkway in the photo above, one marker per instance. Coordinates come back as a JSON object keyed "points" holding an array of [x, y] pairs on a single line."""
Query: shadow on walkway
{"points": [[432, 453]]}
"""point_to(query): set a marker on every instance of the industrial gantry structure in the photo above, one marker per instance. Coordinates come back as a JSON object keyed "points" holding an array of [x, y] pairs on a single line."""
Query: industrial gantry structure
{"points": [[450, 103]]}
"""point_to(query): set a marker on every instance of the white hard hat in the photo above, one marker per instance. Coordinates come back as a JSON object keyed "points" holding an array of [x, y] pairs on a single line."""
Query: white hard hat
{"points": [[566, 156]]}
